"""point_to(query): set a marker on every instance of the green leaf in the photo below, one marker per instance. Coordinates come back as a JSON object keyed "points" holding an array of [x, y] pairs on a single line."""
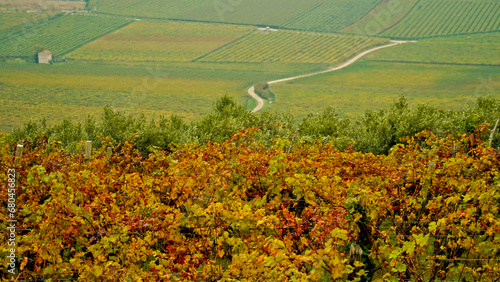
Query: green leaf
{"points": [[339, 233], [421, 239]]}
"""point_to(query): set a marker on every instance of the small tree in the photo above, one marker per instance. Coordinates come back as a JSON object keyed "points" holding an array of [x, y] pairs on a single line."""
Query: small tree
{"points": [[37, 49]]}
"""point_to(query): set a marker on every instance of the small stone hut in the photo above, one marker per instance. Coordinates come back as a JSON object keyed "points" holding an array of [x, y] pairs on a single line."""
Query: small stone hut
{"points": [[45, 57]]}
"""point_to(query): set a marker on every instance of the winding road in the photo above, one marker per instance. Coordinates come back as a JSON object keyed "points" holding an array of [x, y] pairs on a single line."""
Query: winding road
{"points": [[260, 101]]}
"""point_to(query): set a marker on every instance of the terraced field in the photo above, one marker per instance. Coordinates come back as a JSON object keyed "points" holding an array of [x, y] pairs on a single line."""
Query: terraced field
{"points": [[58, 35], [315, 15], [159, 41], [446, 17], [292, 47]]}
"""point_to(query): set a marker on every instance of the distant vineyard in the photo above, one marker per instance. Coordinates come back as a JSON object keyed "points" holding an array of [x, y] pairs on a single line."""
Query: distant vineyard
{"points": [[13, 24], [258, 12], [317, 15], [434, 18], [59, 35], [332, 16], [148, 8], [293, 47], [382, 17], [159, 42], [460, 49]]}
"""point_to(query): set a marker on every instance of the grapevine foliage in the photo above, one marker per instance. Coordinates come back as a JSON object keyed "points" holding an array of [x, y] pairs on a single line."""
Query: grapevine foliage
{"points": [[234, 211]]}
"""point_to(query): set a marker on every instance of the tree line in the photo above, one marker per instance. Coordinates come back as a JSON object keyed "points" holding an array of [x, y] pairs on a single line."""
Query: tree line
{"points": [[376, 131]]}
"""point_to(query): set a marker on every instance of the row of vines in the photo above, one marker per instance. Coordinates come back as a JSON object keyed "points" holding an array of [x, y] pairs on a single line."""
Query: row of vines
{"points": [[233, 211], [293, 47], [435, 18], [332, 16], [59, 34], [155, 41], [316, 15], [148, 8]]}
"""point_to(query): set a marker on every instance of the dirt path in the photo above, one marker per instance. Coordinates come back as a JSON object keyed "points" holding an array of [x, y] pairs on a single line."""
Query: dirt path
{"points": [[260, 101]]}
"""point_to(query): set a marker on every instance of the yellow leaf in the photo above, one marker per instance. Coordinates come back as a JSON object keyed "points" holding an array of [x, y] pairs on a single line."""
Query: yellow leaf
{"points": [[24, 262]]}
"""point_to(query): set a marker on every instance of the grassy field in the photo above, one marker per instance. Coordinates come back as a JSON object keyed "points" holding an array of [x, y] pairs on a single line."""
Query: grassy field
{"points": [[61, 34], [293, 47], [436, 18], [159, 41], [464, 49], [370, 85], [316, 15], [73, 90]]}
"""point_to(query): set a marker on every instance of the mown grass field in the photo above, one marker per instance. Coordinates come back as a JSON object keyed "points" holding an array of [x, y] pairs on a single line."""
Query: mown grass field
{"points": [[436, 18], [292, 47], [60, 34], [370, 85], [316, 15], [480, 49], [159, 41]]}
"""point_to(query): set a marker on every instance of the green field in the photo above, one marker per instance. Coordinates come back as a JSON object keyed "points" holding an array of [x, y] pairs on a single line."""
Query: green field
{"points": [[315, 15], [445, 17], [159, 41], [387, 14], [160, 66], [292, 47], [480, 49], [149, 8], [59, 35], [374, 85], [16, 26], [331, 16], [74, 90], [10, 20]]}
